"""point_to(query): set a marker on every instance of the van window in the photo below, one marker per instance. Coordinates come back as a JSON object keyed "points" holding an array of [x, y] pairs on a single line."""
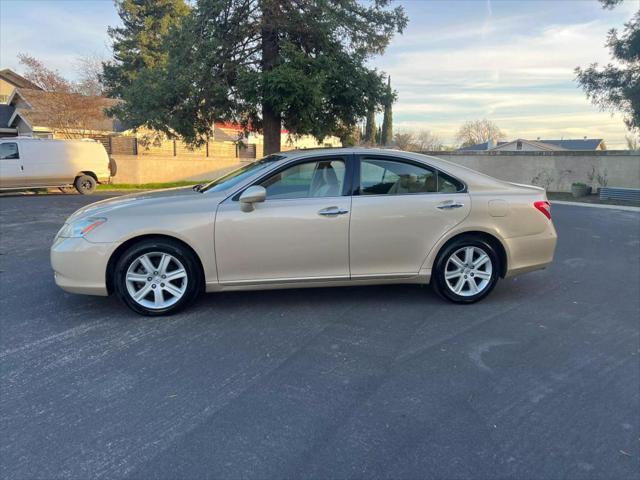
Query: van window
{"points": [[9, 151]]}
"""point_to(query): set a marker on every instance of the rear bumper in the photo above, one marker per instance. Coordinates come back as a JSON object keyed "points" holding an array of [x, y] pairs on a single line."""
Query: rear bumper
{"points": [[532, 252], [80, 266]]}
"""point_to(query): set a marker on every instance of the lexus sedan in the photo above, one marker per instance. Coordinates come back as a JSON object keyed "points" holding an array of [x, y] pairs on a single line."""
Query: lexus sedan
{"points": [[308, 218]]}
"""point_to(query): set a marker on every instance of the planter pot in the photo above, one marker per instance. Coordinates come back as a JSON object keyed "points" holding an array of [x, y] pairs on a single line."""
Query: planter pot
{"points": [[580, 190]]}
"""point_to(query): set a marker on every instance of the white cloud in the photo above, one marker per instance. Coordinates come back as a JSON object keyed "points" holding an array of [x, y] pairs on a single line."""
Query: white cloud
{"points": [[522, 78]]}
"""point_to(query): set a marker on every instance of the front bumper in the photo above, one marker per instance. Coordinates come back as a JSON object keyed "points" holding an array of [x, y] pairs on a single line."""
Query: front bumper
{"points": [[80, 266]]}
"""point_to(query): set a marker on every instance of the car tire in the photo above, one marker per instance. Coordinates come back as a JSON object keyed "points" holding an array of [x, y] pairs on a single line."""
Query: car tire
{"points": [[460, 278], [155, 288], [113, 167], [85, 184]]}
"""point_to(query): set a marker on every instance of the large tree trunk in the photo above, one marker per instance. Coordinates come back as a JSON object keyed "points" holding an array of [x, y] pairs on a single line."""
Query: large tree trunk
{"points": [[271, 118]]}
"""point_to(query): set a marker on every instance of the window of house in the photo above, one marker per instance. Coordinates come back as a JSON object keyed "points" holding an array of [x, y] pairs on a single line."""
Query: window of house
{"points": [[321, 178], [518, 145], [9, 151]]}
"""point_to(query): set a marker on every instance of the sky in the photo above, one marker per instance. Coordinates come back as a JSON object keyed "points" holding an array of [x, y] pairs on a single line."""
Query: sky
{"points": [[510, 61]]}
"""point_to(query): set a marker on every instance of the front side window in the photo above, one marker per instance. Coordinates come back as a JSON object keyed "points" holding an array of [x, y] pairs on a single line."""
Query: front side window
{"points": [[388, 177], [9, 151], [320, 178]]}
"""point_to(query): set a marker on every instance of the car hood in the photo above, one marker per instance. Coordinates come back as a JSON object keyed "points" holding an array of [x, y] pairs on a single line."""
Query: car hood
{"points": [[133, 200]]}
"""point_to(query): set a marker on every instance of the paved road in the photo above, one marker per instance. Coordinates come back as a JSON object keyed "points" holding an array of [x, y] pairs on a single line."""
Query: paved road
{"points": [[541, 380]]}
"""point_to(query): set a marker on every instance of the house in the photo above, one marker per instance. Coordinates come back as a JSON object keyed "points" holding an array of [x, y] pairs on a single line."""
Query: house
{"points": [[36, 113], [10, 80], [585, 144]]}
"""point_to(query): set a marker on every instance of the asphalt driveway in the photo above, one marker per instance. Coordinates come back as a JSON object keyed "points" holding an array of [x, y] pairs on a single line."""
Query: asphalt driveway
{"points": [[540, 380]]}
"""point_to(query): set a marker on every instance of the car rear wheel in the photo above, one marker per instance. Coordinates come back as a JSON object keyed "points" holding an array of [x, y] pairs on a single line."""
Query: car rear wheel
{"points": [[85, 184], [157, 277], [466, 270]]}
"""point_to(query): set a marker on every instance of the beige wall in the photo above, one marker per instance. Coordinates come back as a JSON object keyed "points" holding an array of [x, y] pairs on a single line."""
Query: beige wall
{"points": [[5, 90], [553, 170], [153, 169]]}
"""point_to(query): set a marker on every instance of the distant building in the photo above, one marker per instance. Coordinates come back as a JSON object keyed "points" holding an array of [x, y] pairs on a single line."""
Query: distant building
{"points": [[10, 80], [585, 144], [36, 113]]}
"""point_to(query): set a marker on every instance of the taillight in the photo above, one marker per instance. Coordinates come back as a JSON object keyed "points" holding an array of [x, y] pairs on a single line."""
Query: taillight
{"points": [[544, 207]]}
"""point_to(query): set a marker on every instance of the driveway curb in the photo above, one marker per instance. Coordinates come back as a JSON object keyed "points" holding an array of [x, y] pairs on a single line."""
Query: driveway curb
{"points": [[592, 205]]}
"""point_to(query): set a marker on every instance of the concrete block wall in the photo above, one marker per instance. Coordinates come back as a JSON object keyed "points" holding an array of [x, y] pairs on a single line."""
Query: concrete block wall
{"points": [[555, 171], [139, 169]]}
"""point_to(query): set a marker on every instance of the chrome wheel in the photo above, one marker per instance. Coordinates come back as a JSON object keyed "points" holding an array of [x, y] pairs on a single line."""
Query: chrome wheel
{"points": [[468, 271], [156, 280]]}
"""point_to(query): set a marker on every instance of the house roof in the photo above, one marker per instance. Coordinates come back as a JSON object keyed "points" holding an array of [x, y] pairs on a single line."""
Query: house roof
{"points": [[479, 146], [220, 135], [16, 80], [42, 106], [579, 144]]}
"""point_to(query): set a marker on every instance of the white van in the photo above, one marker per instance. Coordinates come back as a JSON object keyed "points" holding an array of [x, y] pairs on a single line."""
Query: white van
{"points": [[27, 163]]}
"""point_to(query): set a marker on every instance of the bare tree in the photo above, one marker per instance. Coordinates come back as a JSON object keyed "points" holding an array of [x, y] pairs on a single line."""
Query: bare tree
{"points": [[89, 68], [425, 141], [633, 143], [403, 141], [47, 79], [61, 106], [479, 131]]}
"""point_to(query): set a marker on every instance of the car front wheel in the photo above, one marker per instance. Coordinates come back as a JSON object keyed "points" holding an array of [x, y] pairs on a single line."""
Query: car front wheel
{"points": [[157, 277], [466, 270]]}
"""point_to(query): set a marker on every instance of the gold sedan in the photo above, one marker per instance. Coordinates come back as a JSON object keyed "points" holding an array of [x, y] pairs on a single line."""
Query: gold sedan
{"points": [[309, 218]]}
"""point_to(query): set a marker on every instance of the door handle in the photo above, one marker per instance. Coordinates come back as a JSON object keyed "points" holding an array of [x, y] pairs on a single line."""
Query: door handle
{"points": [[332, 211], [450, 206], [22, 167]]}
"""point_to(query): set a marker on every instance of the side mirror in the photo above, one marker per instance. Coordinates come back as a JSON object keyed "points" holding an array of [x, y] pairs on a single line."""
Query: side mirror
{"points": [[251, 195]]}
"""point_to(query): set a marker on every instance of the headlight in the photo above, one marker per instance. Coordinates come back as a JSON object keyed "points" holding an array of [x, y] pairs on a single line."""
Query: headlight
{"points": [[80, 228]]}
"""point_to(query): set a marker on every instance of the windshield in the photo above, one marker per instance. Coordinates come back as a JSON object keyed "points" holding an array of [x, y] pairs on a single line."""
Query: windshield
{"points": [[233, 178]]}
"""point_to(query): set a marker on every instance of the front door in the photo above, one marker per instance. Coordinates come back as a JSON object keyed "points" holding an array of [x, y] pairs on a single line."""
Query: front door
{"points": [[300, 232], [11, 172], [398, 213]]}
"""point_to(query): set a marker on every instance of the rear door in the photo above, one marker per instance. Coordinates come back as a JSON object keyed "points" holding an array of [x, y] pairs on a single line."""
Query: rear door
{"points": [[11, 171], [399, 211]]}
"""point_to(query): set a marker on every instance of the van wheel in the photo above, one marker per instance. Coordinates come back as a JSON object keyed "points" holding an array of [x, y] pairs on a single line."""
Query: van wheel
{"points": [[157, 277], [466, 270], [113, 167], [85, 184]]}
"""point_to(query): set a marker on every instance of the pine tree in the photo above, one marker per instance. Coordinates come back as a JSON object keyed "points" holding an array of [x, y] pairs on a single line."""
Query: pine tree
{"points": [[370, 127], [387, 121], [249, 61], [616, 86], [140, 42]]}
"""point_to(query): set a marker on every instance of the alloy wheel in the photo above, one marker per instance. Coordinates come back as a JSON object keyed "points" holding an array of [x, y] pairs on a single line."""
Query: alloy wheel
{"points": [[468, 271], [156, 280]]}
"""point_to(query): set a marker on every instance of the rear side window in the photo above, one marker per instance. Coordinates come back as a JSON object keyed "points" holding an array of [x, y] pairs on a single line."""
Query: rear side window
{"points": [[395, 177], [388, 177], [448, 184], [9, 151]]}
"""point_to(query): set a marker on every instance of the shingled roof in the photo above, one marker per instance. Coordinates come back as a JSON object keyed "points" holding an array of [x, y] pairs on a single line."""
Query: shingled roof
{"points": [[37, 107]]}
